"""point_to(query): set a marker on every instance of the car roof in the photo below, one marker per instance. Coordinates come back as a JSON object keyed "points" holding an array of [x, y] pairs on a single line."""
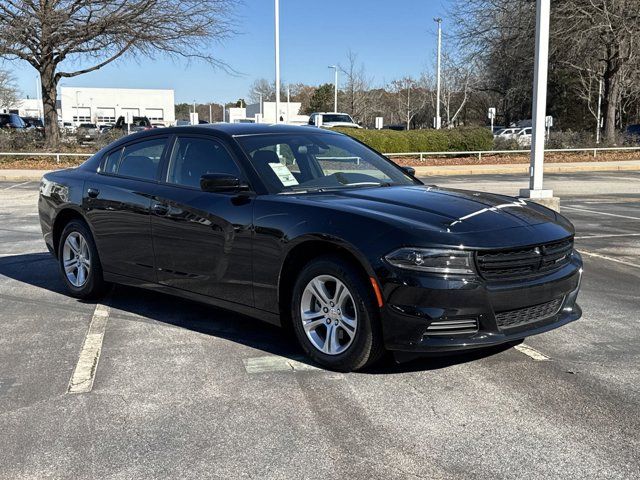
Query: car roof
{"points": [[238, 129]]}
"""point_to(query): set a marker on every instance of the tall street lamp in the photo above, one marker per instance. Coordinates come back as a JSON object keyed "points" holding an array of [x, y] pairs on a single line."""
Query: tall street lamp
{"points": [[335, 88], [438, 122], [535, 190], [277, 42]]}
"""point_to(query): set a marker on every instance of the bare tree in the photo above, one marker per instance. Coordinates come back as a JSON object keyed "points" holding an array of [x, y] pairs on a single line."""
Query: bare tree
{"points": [[56, 36], [356, 84], [411, 97], [262, 89], [604, 32], [8, 90]]}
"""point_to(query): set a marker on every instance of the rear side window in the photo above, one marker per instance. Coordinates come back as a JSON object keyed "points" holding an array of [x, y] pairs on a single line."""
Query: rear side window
{"points": [[193, 157], [139, 160]]}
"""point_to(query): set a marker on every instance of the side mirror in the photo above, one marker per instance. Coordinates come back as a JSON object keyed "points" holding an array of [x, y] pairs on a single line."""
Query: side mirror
{"points": [[221, 182], [410, 170]]}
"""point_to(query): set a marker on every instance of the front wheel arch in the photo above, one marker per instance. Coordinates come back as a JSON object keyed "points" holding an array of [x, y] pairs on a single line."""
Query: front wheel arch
{"points": [[301, 255]]}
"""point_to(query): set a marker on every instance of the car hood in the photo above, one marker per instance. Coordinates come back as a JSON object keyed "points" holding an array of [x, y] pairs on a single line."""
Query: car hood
{"points": [[439, 209]]}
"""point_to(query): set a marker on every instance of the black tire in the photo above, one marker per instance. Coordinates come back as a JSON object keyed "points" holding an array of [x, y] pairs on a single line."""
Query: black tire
{"points": [[94, 284], [366, 346]]}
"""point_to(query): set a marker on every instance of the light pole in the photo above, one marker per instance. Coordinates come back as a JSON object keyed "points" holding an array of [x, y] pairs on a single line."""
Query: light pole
{"points": [[335, 88], [77, 109], [599, 111], [288, 101], [535, 191], [277, 42], [438, 121]]}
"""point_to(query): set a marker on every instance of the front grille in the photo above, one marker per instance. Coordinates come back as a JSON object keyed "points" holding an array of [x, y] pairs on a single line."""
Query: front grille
{"points": [[525, 262], [441, 328], [533, 314]]}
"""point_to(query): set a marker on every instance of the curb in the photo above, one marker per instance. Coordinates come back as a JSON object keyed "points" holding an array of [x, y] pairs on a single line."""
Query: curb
{"points": [[520, 168]]}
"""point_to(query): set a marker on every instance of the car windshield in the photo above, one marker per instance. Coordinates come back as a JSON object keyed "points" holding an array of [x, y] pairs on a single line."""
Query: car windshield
{"points": [[88, 125], [330, 118], [319, 161]]}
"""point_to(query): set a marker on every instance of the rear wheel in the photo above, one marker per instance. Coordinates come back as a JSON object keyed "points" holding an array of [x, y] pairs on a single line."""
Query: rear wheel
{"points": [[335, 318], [79, 262]]}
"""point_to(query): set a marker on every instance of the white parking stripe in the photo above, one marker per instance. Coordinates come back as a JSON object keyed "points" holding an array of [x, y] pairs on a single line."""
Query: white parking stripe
{"points": [[82, 379], [601, 213], [604, 257], [17, 185], [275, 363], [531, 352]]}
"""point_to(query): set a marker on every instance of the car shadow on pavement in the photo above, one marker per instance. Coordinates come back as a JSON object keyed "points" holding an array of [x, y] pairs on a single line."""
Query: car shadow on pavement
{"points": [[136, 304]]}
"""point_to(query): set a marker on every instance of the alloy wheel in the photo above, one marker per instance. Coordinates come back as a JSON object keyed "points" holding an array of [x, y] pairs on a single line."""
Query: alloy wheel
{"points": [[76, 259], [328, 313]]}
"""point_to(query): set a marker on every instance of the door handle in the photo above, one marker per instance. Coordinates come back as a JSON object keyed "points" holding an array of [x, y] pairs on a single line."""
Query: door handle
{"points": [[159, 208], [93, 192]]}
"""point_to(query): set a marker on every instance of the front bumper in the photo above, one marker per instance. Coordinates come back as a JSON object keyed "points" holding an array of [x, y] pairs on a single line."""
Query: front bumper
{"points": [[502, 312]]}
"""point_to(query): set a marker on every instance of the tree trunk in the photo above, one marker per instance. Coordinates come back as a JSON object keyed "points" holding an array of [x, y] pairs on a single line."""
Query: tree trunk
{"points": [[611, 94], [49, 99]]}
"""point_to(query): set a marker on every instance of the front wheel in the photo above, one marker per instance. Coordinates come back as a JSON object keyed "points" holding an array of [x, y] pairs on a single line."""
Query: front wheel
{"points": [[335, 317], [79, 263]]}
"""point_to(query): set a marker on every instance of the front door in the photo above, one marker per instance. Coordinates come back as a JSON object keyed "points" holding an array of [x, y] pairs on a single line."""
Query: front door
{"points": [[118, 200], [202, 240]]}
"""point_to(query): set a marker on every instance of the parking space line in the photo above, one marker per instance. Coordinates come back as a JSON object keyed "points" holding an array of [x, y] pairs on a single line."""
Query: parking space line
{"points": [[82, 379], [275, 363], [601, 213], [17, 185], [531, 352], [611, 259]]}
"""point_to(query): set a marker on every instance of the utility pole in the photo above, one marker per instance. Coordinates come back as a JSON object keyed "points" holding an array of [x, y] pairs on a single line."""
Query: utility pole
{"points": [[288, 101], [335, 88], [210, 117], [599, 111], [277, 42], [535, 191], [438, 122]]}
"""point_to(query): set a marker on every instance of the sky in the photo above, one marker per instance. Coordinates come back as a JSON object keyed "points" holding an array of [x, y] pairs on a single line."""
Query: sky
{"points": [[391, 39]]}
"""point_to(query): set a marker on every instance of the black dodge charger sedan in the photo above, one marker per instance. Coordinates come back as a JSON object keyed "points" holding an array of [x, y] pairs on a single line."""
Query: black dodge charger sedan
{"points": [[312, 230]]}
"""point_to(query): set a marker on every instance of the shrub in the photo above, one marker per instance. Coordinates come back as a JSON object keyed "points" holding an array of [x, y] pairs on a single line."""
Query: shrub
{"points": [[393, 141]]}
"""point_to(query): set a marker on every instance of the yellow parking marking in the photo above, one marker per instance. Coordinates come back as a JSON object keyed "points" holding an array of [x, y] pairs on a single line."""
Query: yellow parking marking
{"points": [[82, 379], [531, 352]]}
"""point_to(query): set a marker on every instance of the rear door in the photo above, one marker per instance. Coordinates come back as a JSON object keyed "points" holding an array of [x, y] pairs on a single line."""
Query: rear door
{"points": [[202, 240], [118, 201]]}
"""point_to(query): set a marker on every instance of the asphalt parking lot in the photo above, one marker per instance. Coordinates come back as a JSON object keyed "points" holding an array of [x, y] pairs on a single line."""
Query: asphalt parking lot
{"points": [[184, 390]]}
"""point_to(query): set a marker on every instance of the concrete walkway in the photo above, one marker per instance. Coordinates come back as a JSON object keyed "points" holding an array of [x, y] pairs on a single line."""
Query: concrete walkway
{"points": [[626, 165]]}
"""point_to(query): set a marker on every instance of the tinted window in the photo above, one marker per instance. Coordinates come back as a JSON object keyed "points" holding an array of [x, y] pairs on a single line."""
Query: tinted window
{"points": [[111, 163], [192, 157], [313, 160], [141, 160]]}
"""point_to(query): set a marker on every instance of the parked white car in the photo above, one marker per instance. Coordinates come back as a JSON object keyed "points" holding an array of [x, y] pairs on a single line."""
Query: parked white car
{"points": [[507, 133], [331, 120], [524, 137]]}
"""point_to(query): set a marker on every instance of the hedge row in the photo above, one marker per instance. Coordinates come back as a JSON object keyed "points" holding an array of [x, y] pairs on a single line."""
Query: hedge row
{"points": [[393, 141]]}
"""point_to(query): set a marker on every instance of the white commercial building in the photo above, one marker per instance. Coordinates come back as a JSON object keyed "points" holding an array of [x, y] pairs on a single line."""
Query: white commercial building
{"points": [[289, 112], [105, 105]]}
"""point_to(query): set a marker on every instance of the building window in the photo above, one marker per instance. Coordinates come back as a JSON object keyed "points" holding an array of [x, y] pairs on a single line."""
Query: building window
{"points": [[154, 113], [82, 118]]}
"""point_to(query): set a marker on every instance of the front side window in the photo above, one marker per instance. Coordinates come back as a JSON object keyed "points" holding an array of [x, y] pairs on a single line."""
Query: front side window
{"points": [[319, 161], [138, 160], [193, 157]]}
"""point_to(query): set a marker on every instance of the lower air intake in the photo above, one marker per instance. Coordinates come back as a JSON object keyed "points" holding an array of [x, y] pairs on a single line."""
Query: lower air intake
{"points": [[448, 328]]}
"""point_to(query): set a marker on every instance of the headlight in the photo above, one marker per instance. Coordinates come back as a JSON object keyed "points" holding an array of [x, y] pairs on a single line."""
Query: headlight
{"points": [[432, 260]]}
